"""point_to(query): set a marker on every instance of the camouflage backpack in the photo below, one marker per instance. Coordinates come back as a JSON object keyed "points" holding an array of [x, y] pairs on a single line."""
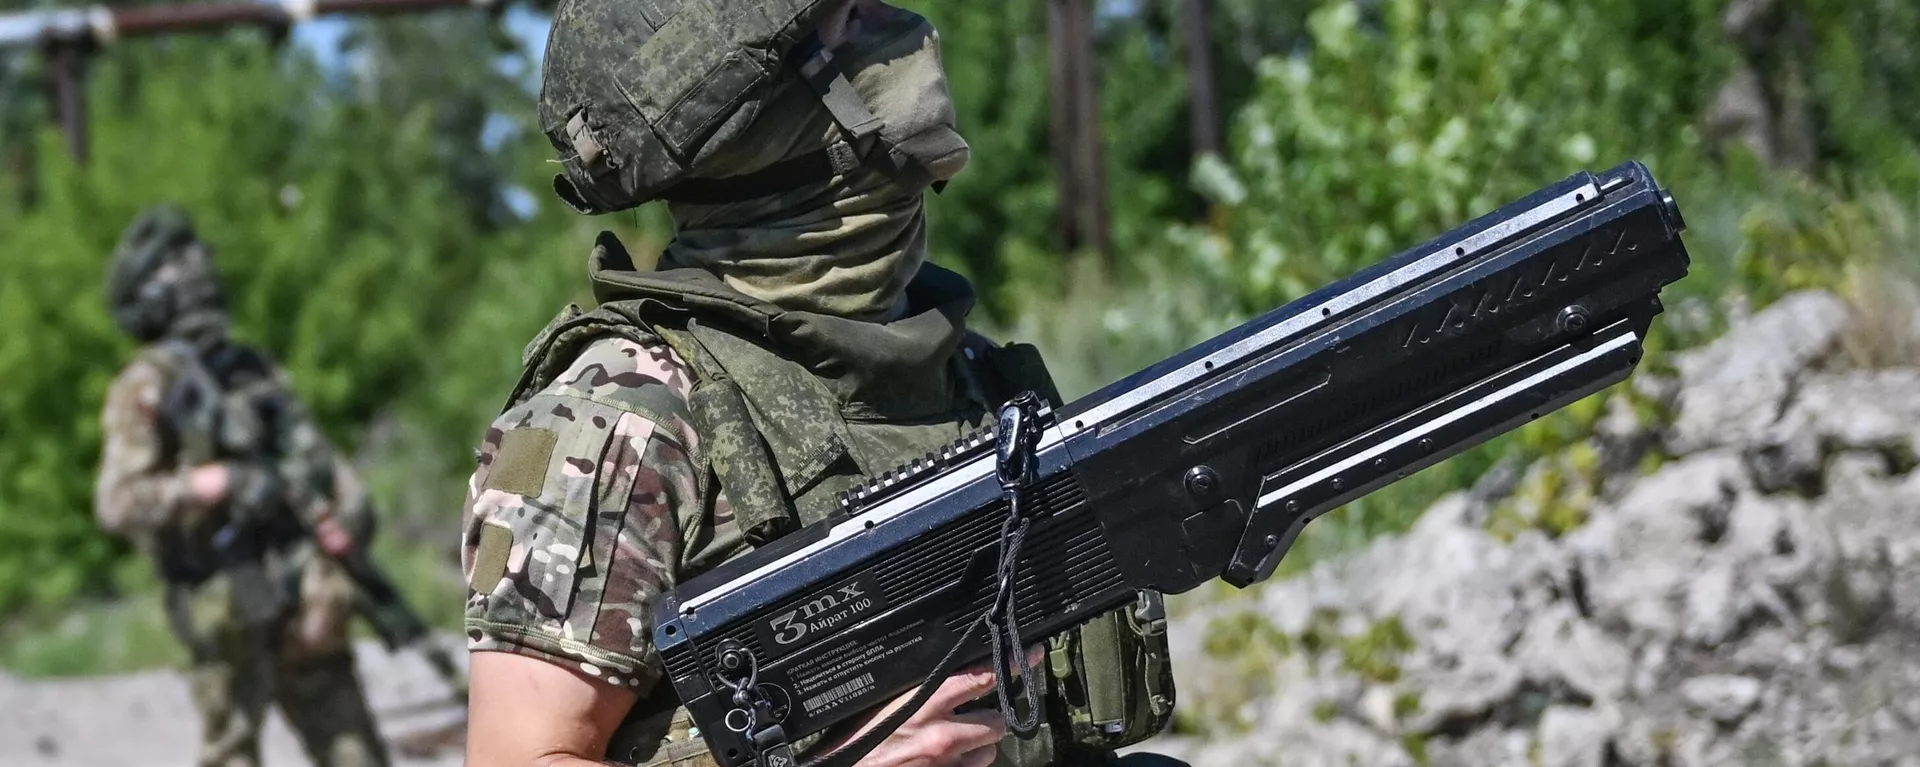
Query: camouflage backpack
{"points": [[637, 94], [784, 437]]}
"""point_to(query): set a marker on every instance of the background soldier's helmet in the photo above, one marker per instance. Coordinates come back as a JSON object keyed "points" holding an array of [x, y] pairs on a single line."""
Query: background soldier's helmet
{"points": [[161, 273]]}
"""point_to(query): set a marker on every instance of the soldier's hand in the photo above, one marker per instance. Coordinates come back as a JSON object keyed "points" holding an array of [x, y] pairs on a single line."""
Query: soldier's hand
{"points": [[208, 483], [935, 736], [332, 537]]}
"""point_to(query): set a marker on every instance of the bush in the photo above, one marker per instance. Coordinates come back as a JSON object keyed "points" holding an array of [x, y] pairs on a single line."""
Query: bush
{"points": [[1404, 121]]}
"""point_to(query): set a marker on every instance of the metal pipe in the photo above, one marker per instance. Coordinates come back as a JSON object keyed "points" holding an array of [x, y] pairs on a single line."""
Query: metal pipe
{"points": [[69, 36]]}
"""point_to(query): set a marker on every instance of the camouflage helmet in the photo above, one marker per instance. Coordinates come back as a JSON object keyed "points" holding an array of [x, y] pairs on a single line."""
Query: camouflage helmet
{"points": [[160, 274], [644, 102]]}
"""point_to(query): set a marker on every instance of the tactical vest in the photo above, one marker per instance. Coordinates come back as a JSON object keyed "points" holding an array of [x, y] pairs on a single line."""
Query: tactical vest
{"points": [[792, 408], [228, 407]]}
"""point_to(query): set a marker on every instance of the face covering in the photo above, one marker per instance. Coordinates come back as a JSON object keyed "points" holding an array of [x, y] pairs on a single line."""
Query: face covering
{"points": [[846, 246]]}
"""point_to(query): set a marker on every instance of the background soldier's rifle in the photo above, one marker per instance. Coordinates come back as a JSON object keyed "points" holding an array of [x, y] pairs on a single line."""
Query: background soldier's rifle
{"points": [[394, 620]]}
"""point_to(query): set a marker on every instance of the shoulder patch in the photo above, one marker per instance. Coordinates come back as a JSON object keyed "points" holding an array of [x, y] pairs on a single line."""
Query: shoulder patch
{"points": [[490, 557], [520, 467]]}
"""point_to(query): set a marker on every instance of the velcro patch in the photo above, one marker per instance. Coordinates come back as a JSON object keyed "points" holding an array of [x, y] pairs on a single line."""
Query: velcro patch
{"points": [[490, 557], [521, 465]]}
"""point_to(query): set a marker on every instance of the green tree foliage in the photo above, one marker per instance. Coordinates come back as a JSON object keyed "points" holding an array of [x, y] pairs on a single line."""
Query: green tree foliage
{"points": [[1408, 118], [996, 221], [346, 248], [1866, 82]]}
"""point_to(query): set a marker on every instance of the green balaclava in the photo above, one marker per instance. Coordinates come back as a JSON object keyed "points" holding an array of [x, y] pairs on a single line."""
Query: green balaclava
{"points": [[846, 246], [162, 282], [870, 121]]}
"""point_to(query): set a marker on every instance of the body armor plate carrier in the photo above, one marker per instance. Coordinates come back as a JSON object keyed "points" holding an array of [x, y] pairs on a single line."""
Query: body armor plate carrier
{"points": [[793, 408]]}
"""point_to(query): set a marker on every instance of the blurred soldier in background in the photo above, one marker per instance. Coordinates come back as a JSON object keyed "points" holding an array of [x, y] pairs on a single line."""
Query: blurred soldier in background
{"points": [[215, 471]]}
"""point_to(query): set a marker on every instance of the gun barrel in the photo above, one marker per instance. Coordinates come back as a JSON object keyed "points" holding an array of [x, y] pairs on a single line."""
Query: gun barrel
{"points": [[1207, 465]]}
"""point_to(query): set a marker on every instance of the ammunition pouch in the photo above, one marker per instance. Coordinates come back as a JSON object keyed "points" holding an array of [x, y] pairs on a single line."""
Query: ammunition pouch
{"points": [[1112, 678]]}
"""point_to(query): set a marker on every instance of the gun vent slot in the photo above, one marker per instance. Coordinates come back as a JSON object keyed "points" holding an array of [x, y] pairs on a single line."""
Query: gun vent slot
{"points": [[1380, 404], [680, 663]]}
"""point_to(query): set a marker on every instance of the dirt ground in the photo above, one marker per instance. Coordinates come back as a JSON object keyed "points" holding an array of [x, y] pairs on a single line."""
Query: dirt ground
{"points": [[146, 720]]}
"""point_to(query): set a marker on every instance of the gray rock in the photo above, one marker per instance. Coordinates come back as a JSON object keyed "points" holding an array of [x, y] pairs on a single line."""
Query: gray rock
{"points": [[1574, 737], [1649, 669], [1870, 409], [1376, 708], [1638, 554], [1733, 390], [1339, 743], [1472, 691], [1560, 648], [1755, 601], [1764, 651], [1484, 748], [1789, 457], [1646, 741], [1697, 747], [1713, 611], [1723, 698]]}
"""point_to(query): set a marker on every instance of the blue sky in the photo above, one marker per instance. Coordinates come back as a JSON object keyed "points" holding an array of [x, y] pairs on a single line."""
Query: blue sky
{"points": [[322, 36]]}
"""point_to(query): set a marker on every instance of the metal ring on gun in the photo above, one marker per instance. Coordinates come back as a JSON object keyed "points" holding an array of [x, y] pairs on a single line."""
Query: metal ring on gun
{"points": [[746, 720]]}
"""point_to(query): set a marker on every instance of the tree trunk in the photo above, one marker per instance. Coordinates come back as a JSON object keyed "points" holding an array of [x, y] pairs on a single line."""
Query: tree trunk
{"points": [[1078, 156], [1767, 102], [66, 81], [1203, 101]]}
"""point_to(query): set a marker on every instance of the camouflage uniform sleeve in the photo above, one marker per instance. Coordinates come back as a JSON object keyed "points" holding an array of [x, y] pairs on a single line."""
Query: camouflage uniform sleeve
{"points": [[140, 489], [570, 533]]}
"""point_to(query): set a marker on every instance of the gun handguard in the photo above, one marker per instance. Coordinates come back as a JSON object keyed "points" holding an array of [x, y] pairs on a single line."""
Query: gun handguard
{"points": [[1206, 465]]}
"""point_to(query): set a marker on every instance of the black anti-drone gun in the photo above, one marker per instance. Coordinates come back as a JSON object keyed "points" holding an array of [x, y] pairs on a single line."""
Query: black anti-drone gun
{"points": [[1206, 465]]}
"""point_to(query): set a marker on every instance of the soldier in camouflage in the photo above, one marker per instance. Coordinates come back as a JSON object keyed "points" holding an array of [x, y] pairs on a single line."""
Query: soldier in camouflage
{"points": [[213, 471], [790, 337]]}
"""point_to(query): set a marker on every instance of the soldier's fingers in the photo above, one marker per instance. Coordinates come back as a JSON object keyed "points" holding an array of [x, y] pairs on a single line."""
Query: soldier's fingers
{"points": [[957, 689], [1035, 654], [979, 757]]}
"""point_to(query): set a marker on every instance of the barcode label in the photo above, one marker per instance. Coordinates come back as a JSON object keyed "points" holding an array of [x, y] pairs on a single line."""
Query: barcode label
{"points": [[844, 690]]}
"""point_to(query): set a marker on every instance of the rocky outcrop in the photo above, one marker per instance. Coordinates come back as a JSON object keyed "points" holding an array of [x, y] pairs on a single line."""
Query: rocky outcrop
{"points": [[1753, 600]]}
